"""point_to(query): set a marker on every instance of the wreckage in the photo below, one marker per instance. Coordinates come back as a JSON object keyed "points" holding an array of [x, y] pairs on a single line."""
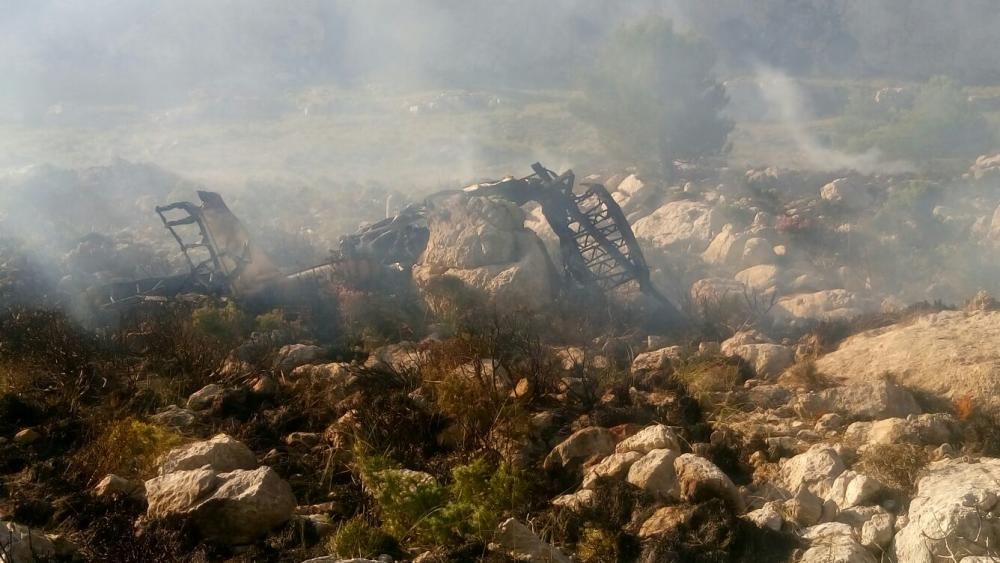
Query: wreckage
{"points": [[597, 245]]}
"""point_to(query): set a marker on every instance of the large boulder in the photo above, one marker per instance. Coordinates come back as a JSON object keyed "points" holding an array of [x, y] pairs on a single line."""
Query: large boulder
{"points": [[952, 354], [953, 514], [862, 400], [483, 243], [828, 305], [221, 453], [236, 507], [685, 226]]}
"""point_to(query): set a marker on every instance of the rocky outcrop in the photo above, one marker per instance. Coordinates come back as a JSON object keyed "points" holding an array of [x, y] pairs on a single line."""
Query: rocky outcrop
{"points": [[953, 513], [951, 354], [862, 400], [483, 243]]}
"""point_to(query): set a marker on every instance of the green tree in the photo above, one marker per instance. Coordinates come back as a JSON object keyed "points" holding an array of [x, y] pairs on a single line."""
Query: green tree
{"points": [[652, 96]]}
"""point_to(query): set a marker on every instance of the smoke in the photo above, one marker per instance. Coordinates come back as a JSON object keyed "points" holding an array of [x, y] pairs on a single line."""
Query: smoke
{"points": [[786, 102]]}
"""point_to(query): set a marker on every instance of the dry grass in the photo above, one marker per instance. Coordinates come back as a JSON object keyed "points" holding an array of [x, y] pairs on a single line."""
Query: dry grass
{"points": [[895, 465]]}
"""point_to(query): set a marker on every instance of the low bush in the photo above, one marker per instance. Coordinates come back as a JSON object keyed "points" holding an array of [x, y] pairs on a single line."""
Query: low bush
{"points": [[895, 465], [128, 448], [356, 537], [418, 510]]}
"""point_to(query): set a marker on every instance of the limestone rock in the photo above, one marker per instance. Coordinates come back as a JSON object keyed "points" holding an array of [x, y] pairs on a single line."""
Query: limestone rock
{"points": [[655, 437], [205, 397], [698, 478], [805, 508], [950, 354], [175, 418], [222, 453], [767, 359], [953, 512], [760, 279], [850, 489], [726, 249], [576, 502], [877, 532], [483, 243], [768, 517], [848, 192], [516, 540], [862, 400], [686, 226], [827, 305], [580, 446], [655, 473], [232, 508], [656, 360], [292, 356], [718, 292], [113, 485], [757, 252], [665, 521], [612, 467], [837, 548], [811, 468]]}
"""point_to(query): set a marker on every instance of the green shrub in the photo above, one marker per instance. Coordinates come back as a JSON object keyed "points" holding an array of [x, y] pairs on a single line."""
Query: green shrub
{"points": [[226, 324], [652, 96], [358, 538], [414, 507]]}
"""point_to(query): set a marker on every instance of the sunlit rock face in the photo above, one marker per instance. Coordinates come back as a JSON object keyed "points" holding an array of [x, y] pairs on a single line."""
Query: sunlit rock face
{"points": [[951, 354], [483, 244]]}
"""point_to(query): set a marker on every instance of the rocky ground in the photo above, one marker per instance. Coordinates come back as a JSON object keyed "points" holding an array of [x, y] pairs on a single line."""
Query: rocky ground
{"points": [[828, 396]]}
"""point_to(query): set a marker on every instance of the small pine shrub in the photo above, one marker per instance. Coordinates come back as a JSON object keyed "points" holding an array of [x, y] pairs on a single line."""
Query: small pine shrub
{"points": [[415, 508]]}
